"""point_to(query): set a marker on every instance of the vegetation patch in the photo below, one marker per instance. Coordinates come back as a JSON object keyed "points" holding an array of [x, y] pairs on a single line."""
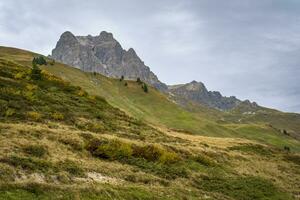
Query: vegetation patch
{"points": [[293, 158], [241, 188], [28, 163], [72, 167], [254, 149], [36, 150], [149, 158], [204, 160]]}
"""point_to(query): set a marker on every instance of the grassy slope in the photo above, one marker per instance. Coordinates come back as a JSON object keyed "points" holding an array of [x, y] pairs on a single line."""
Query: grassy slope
{"points": [[47, 156], [158, 110]]}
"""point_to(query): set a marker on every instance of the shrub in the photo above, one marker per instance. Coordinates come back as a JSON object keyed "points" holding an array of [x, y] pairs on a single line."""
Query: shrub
{"points": [[113, 149], [203, 160], [6, 173], [73, 142], [40, 60], [148, 152], [287, 149], [20, 75], [122, 78], [36, 150], [34, 115], [169, 157], [71, 167], [26, 163], [10, 112], [145, 88], [31, 87], [154, 153], [81, 93], [36, 73], [57, 116], [125, 84]]}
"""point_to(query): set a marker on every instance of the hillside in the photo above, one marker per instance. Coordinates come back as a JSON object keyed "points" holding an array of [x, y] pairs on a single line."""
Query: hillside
{"points": [[158, 110], [58, 141]]}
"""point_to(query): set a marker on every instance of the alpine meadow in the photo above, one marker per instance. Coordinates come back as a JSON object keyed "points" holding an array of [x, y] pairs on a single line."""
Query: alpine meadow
{"points": [[92, 121]]}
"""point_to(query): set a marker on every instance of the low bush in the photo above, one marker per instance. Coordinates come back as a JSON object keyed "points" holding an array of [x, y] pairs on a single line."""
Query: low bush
{"points": [[75, 143], [110, 149], [149, 158], [203, 160], [154, 153], [36, 150], [28, 163], [6, 173], [57, 116], [10, 112], [81, 93], [34, 115], [71, 167]]}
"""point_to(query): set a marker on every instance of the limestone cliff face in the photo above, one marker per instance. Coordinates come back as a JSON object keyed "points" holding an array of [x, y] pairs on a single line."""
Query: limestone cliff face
{"points": [[105, 55], [197, 92]]}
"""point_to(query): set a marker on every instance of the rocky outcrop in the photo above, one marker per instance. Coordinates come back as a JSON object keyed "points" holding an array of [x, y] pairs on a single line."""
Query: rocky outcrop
{"points": [[197, 92], [105, 55]]}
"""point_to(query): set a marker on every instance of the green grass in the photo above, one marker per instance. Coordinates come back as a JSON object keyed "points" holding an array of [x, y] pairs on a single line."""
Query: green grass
{"points": [[242, 188]]}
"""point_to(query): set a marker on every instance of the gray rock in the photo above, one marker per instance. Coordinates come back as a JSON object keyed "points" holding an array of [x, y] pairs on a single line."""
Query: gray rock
{"points": [[197, 92], [105, 55]]}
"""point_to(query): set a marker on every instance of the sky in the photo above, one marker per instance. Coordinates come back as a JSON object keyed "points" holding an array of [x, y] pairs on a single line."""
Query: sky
{"points": [[244, 48]]}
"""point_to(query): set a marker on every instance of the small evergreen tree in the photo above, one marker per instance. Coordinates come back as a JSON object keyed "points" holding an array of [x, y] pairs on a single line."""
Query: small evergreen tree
{"points": [[39, 61], [145, 87], [36, 73], [122, 78], [138, 80], [125, 84]]}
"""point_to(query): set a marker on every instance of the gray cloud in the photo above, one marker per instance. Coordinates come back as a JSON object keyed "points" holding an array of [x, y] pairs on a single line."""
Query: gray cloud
{"points": [[247, 48]]}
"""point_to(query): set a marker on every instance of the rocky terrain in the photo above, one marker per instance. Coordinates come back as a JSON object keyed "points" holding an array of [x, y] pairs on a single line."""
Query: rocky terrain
{"points": [[197, 92], [105, 55]]}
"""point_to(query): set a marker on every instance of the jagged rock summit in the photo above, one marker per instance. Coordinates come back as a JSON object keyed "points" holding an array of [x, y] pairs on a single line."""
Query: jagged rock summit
{"points": [[105, 55], [197, 92]]}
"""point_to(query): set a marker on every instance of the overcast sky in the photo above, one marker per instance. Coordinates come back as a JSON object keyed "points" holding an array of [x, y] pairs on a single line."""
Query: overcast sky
{"points": [[245, 48]]}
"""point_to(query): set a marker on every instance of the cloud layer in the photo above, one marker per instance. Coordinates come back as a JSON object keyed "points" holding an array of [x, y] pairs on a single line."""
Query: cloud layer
{"points": [[249, 48]]}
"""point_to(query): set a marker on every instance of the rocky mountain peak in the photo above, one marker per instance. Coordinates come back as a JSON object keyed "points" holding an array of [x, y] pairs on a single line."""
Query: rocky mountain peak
{"points": [[68, 37], [131, 52], [105, 55], [106, 36], [195, 86]]}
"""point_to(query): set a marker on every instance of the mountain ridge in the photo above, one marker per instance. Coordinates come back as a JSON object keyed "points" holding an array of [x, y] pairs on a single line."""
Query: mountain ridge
{"points": [[198, 93], [104, 54]]}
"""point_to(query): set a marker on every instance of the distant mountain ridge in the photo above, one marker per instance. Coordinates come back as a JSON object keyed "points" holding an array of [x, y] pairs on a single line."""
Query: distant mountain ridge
{"points": [[105, 55], [197, 92]]}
